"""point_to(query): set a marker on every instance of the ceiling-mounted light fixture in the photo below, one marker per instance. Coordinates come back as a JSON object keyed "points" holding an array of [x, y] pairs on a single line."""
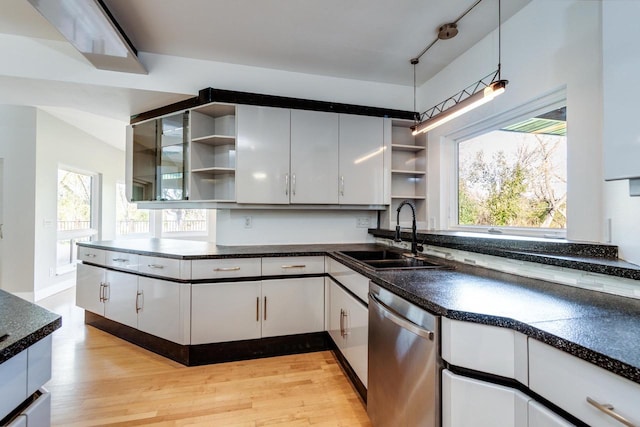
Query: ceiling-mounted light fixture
{"points": [[467, 99], [91, 29]]}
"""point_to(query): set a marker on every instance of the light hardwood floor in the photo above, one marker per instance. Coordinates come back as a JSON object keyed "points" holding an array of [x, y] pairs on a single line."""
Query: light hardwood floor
{"points": [[100, 380]]}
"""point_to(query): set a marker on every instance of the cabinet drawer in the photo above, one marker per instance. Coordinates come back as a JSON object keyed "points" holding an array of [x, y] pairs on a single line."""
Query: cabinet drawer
{"points": [[355, 282], [568, 381], [224, 268], [498, 351], [122, 260], [165, 267], [39, 362], [94, 256], [282, 266]]}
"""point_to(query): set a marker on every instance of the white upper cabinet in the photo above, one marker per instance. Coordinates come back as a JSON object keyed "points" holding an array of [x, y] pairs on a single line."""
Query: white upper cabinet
{"points": [[262, 157], [621, 63], [314, 157], [361, 180]]}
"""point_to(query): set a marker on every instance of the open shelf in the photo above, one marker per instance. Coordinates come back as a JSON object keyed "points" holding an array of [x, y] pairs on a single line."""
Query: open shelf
{"points": [[411, 197], [215, 140], [214, 170], [408, 172], [410, 148]]}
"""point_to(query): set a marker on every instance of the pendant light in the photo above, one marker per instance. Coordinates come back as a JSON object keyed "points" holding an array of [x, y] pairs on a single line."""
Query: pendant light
{"points": [[473, 96]]}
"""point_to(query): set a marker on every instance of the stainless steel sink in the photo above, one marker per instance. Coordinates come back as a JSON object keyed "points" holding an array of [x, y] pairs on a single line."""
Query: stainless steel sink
{"points": [[391, 260]]}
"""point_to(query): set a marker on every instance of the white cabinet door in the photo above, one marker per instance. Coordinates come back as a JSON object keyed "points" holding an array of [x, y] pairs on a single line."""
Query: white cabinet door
{"points": [[361, 160], [120, 298], [539, 416], [621, 128], [225, 312], [163, 309], [89, 288], [348, 327], [262, 157], [314, 157], [292, 306], [469, 402]]}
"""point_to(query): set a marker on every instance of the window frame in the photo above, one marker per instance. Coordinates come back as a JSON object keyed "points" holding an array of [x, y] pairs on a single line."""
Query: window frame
{"points": [[94, 232], [533, 108], [152, 215]]}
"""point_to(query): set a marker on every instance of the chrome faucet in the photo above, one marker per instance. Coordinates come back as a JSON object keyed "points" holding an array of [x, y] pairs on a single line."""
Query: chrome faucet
{"points": [[414, 235]]}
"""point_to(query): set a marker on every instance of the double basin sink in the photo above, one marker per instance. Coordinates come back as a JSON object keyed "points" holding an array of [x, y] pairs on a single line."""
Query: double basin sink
{"points": [[390, 260]]}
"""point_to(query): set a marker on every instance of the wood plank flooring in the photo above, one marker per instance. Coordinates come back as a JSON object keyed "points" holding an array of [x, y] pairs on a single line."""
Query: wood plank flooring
{"points": [[100, 380]]}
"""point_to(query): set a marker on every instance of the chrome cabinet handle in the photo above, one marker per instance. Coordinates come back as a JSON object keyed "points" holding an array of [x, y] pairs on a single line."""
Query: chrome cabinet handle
{"points": [[155, 266], [286, 184], [1, 235], [608, 409], [293, 184], [90, 255], [345, 315], [257, 309], [107, 291], [294, 266], [101, 292], [265, 308], [138, 305], [342, 185], [342, 322], [120, 259], [226, 269]]}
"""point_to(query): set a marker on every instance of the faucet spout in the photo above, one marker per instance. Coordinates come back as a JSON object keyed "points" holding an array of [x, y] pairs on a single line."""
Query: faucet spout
{"points": [[414, 234]]}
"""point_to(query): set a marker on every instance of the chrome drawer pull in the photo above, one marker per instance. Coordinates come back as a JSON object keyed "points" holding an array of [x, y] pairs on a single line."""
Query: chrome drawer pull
{"points": [[120, 260], [607, 408], [226, 269], [90, 255], [294, 266], [155, 266]]}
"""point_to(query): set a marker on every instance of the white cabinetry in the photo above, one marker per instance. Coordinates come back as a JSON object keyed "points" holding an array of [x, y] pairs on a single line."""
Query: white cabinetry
{"points": [[469, 402], [621, 128], [164, 309], [248, 310], [570, 383], [539, 416], [213, 153], [292, 306], [347, 324], [361, 162], [225, 312], [109, 293], [314, 157], [408, 175], [263, 141]]}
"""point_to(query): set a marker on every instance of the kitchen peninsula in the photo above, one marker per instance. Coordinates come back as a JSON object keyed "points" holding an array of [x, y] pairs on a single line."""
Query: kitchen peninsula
{"points": [[25, 361], [537, 325]]}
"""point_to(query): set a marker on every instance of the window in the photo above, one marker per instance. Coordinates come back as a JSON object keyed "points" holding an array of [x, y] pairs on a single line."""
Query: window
{"points": [[129, 219], [78, 214], [191, 221], [515, 176]]}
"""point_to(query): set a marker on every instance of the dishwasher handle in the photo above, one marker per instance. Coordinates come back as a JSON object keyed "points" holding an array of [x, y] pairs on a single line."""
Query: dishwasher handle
{"points": [[397, 318]]}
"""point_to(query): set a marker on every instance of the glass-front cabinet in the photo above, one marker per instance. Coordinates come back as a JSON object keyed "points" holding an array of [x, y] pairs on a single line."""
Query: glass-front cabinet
{"points": [[159, 153]]}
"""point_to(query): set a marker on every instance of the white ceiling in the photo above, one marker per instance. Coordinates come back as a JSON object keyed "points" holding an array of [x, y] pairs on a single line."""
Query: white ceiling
{"points": [[370, 40]]}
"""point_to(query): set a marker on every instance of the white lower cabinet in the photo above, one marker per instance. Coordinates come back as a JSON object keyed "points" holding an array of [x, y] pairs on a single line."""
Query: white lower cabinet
{"points": [[470, 402], [540, 416], [163, 309], [292, 306], [109, 293], [347, 323], [225, 312], [232, 311]]}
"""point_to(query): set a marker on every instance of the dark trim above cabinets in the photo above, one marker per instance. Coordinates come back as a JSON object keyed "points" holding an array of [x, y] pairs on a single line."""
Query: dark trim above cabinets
{"points": [[209, 95]]}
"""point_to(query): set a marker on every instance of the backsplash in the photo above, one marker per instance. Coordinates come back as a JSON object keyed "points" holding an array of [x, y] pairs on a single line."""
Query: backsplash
{"points": [[565, 276]]}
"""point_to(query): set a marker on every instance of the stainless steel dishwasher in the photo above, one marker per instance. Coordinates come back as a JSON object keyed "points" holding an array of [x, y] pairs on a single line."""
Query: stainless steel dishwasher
{"points": [[403, 362]]}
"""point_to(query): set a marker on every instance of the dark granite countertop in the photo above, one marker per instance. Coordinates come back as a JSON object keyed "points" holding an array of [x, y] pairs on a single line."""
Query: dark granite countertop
{"points": [[601, 328], [584, 256], [26, 323]]}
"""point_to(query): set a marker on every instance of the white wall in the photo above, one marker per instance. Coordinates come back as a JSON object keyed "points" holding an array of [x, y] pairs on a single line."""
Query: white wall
{"points": [[59, 144], [279, 227], [547, 46], [18, 148]]}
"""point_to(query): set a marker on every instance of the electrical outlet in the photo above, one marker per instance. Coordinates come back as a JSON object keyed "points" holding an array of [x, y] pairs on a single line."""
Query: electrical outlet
{"points": [[363, 222], [248, 222]]}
